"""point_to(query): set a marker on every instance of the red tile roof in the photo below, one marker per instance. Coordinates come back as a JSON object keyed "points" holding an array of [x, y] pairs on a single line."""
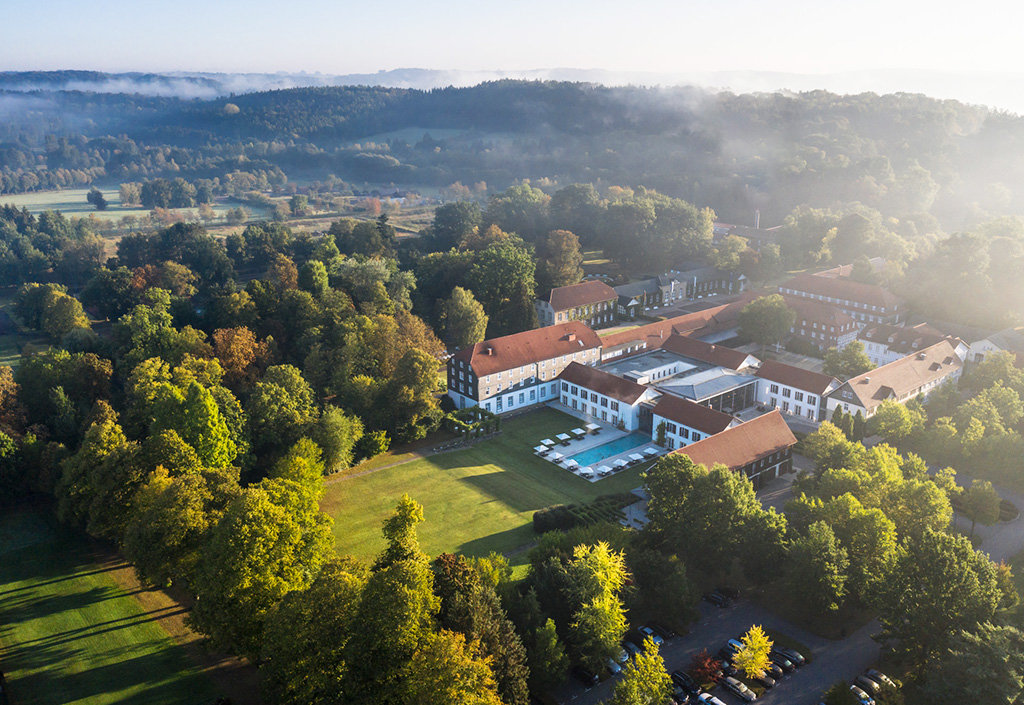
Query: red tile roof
{"points": [[743, 444], [706, 352], [655, 334], [528, 347], [796, 377], [844, 289], [688, 413], [582, 294], [902, 377], [605, 383]]}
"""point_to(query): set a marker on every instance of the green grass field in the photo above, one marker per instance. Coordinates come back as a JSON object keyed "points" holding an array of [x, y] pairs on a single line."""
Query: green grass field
{"points": [[475, 501], [71, 202], [70, 634]]}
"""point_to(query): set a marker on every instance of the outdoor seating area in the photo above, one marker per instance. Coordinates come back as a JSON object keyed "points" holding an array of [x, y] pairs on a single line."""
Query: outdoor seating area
{"points": [[591, 458]]}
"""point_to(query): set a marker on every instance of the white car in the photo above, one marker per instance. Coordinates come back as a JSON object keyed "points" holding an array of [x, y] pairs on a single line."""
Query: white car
{"points": [[740, 689], [709, 699], [613, 667]]}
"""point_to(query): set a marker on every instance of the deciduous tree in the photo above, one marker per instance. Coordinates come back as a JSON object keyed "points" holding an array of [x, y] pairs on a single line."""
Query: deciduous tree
{"points": [[644, 680]]}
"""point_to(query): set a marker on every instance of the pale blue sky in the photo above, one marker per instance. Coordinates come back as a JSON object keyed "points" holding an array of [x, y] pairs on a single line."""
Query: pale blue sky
{"points": [[807, 36]]}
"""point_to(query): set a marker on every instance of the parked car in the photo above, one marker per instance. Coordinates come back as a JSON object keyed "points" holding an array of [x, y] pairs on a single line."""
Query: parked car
{"points": [[686, 682], [622, 656], [661, 630], [648, 633], [863, 697], [774, 671], [765, 680], [716, 598], [880, 677], [585, 676], [738, 689], [782, 662], [709, 699], [613, 667], [632, 648], [868, 685], [726, 653], [730, 592], [793, 655], [680, 696]]}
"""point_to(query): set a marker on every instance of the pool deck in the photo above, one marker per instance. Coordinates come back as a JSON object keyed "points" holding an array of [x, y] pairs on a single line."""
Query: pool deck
{"points": [[608, 433]]}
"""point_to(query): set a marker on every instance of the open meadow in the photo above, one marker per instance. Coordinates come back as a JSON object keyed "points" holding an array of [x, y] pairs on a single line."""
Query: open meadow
{"points": [[69, 633], [475, 501]]}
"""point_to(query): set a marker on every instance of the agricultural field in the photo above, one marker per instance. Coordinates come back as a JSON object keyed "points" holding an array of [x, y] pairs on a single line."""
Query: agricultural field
{"points": [[70, 634], [475, 501], [72, 203]]}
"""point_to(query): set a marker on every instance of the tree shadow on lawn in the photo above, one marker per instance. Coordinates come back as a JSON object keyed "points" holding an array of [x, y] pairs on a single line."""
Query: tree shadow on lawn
{"points": [[511, 541], [153, 671]]}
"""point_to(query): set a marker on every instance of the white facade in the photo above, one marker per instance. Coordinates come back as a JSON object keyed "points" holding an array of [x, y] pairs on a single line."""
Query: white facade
{"points": [[789, 400], [603, 407], [677, 435], [843, 397]]}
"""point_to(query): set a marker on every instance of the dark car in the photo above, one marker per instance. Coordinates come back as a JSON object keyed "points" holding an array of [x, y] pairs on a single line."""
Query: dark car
{"points": [[766, 680], [869, 685], [730, 592], [879, 677], [782, 662], [727, 653], [680, 696], [584, 676], [716, 598], [774, 671], [661, 630], [793, 655], [686, 682]]}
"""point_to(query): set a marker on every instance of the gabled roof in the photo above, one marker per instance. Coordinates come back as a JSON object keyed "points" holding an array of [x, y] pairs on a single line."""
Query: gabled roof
{"points": [[655, 334], [797, 377], [528, 347], [844, 289], [595, 380], [688, 413], [845, 270], [899, 339], [743, 444], [1010, 339], [582, 294], [706, 352], [645, 286], [904, 376]]}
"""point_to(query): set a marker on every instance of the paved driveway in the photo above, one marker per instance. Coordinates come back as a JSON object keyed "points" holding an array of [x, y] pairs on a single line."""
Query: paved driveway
{"points": [[833, 660]]}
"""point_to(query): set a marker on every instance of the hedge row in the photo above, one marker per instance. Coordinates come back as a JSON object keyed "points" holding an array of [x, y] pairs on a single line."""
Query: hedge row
{"points": [[568, 516]]}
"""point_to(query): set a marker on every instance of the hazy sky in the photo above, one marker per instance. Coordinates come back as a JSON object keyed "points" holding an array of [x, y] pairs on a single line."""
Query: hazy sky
{"points": [[340, 36]]}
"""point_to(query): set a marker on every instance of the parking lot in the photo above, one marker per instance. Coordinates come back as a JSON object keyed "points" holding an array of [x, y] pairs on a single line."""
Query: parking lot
{"points": [[832, 660]]}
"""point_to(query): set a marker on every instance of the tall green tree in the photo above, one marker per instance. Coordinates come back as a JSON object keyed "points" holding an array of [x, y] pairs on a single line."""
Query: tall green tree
{"points": [[561, 261], [766, 320], [984, 665], [448, 668], [939, 586], [817, 568], [306, 634], [272, 540], [981, 504], [462, 319], [194, 414], [502, 277], [848, 362]]}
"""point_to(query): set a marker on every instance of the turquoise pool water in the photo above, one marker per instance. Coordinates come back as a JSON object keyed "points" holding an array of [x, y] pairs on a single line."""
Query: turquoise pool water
{"points": [[594, 456]]}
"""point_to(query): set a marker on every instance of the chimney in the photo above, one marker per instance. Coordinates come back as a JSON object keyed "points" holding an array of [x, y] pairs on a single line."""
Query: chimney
{"points": [[757, 220], [867, 380]]}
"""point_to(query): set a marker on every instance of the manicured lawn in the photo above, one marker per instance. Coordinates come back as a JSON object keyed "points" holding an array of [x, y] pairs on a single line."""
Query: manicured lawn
{"points": [[475, 501], [70, 634]]}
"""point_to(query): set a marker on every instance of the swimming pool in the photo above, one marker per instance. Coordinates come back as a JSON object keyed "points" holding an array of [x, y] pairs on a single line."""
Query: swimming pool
{"points": [[593, 456]]}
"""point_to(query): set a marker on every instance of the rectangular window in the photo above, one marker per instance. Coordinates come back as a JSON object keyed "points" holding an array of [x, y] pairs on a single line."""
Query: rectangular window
{"points": [[575, 390], [615, 406], [810, 414], [565, 401], [574, 404], [604, 415], [593, 397], [604, 402], [774, 389], [522, 398], [787, 392], [565, 386], [785, 406], [685, 432], [671, 427]]}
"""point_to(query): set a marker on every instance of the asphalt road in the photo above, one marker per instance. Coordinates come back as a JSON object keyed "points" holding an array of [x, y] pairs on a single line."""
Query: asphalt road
{"points": [[832, 660]]}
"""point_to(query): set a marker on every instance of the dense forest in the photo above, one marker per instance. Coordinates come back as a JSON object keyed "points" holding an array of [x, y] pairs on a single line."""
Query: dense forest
{"points": [[901, 154]]}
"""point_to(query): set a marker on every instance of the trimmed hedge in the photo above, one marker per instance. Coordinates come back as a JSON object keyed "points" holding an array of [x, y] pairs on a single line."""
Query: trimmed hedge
{"points": [[606, 508]]}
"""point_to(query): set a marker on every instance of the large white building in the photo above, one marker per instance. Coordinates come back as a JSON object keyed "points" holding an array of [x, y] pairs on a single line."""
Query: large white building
{"points": [[684, 422], [900, 381], [602, 396], [885, 343], [519, 370], [793, 390]]}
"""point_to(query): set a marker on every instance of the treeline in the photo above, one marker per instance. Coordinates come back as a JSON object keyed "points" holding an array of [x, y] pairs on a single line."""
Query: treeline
{"points": [[899, 154]]}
